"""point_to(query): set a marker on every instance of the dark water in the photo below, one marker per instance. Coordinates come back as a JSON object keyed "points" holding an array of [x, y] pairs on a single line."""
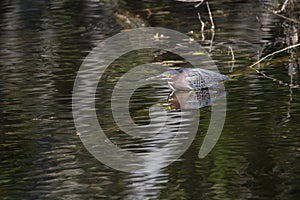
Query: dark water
{"points": [[43, 44]]}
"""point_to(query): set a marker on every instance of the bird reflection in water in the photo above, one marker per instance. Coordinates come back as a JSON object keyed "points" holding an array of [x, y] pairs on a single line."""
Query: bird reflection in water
{"points": [[183, 100]]}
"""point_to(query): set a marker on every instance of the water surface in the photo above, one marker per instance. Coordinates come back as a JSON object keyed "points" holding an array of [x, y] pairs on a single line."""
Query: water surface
{"points": [[42, 45]]}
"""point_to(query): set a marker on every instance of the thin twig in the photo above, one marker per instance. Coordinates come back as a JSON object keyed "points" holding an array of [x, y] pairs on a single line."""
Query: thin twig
{"points": [[287, 18], [268, 77], [232, 54], [211, 41], [193, 1], [202, 23], [283, 6], [210, 16], [202, 26], [276, 12], [271, 54], [149, 13], [232, 66], [288, 114], [199, 4], [230, 50]]}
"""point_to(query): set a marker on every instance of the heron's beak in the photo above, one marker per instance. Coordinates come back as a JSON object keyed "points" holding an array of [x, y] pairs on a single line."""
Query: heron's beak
{"points": [[160, 77]]}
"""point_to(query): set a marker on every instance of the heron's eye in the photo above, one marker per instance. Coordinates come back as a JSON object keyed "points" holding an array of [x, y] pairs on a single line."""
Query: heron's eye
{"points": [[168, 75]]}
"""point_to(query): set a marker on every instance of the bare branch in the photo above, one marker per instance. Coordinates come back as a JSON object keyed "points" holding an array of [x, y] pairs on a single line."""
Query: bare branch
{"points": [[287, 18], [202, 23], [210, 16], [282, 7], [271, 78], [271, 54], [232, 54], [193, 1], [197, 5]]}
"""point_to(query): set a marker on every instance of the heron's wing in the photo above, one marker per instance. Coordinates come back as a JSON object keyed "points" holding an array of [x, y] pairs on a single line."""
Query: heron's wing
{"points": [[202, 78]]}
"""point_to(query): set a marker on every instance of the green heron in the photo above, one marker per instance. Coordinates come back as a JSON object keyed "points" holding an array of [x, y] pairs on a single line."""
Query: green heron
{"points": [[191, 78]]}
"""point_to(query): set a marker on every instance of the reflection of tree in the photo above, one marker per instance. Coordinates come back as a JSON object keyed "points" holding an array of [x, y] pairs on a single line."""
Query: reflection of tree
{"points": [[42, 45]]}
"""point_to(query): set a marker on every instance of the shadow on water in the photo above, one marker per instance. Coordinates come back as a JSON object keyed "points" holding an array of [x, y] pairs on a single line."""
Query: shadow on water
{"points": [[42, 45]]}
